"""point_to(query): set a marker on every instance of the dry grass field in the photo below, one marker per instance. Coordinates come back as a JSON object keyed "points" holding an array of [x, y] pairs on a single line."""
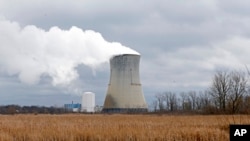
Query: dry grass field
{"points": [[80, 127]]}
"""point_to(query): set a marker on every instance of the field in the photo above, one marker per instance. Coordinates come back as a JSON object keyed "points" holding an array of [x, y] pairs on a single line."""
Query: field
{"points": [[81, 127]]}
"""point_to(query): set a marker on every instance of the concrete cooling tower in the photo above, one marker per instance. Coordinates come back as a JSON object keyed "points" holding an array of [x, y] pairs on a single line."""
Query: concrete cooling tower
{"points": [[124, 92]]}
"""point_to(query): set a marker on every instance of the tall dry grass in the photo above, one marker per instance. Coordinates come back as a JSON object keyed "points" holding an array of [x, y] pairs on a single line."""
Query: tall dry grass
{"points": [[117, 127]]}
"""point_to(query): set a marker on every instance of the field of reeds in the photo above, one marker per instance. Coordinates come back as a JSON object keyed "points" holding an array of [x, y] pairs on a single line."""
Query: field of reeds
{"points": [[81, 127]]}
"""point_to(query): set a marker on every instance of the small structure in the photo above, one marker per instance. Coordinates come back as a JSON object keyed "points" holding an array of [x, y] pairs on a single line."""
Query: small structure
{"points": [[88, 102], [72, 107]]}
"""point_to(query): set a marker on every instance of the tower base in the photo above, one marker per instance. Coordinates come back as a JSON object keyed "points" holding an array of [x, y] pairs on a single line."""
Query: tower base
{"points": [[124, 110]]}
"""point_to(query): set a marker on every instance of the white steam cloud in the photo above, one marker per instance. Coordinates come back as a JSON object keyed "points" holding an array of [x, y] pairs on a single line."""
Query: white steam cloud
{"points": [[31, 52]]}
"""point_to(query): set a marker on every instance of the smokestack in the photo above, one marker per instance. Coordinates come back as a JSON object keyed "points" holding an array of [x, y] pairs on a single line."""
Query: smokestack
{"points": [[124, 92]]}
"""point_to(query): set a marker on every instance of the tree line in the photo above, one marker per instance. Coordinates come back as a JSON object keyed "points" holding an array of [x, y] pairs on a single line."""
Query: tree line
{"points": [[229, 93], [16, 109]]}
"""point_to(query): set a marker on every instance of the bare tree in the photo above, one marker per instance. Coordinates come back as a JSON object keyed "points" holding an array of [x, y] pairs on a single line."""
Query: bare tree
{"points": [[171, 101], [160, 100], [166, 101], [238, 88], [155, 104], [246, 105], [186, 102], [228, 90], [193, 99], [205, 99], [220, 89], [199, 101]]}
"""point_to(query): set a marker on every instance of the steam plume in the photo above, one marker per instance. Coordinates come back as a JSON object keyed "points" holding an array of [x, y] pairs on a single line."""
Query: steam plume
{"points": [[31, 52]]}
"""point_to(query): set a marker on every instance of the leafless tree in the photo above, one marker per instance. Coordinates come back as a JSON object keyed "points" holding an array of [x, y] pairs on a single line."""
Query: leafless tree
{"points": [[171, 101], [186, 102], [154, 105], [166, 101], [238, 88], [198, 101], [204, 99], [228, 90], [246, 105], [220, 89], [160, 101], [193, 98]]}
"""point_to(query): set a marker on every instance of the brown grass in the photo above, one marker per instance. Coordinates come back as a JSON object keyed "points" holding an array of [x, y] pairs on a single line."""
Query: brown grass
{"points": [[80, 127]]}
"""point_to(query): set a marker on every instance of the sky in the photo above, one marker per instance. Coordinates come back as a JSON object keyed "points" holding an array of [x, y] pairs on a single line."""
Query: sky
{"points": [[53, 51]]}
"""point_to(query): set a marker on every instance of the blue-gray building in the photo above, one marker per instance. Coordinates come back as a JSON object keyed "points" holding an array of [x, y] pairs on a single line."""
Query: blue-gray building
{"points": [[73, 107]]}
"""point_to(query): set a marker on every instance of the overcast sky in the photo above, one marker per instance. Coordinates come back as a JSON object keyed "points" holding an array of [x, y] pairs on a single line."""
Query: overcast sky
{"points": [[182, 43]]}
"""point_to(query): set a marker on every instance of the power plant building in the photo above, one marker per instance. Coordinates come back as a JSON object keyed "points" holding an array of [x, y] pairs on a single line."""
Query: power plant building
{"points": [[72, 107], [124, 92], [88, 102]]}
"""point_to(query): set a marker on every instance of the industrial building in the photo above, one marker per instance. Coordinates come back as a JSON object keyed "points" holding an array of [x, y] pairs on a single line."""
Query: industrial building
{"points": [[72, 107], [88, 102], [124, 92]]}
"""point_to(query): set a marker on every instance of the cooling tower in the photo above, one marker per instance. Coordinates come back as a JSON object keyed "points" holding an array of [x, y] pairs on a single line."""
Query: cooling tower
{"points": [[124, 92]]}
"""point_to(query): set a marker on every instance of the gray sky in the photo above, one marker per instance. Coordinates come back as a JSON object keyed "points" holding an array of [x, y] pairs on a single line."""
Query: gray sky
{"points": [[182, 43]]}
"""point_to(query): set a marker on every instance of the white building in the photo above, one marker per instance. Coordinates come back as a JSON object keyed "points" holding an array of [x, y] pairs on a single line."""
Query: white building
{"points": [[88, 102]]}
